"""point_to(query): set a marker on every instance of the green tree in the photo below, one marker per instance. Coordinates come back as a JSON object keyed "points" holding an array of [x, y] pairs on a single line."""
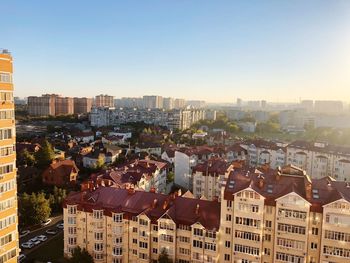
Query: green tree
{"points": [[34, 208], [45, 155], [56, 199], [81, 256], [28, 158], [170, 177], [164, 257]]}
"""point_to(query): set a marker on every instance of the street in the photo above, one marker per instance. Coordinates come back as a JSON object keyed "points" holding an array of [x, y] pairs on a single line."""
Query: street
{"points": [[41, 231]]}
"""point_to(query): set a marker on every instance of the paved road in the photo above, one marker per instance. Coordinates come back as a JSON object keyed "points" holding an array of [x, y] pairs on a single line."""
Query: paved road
{"points": [[41, 231]]}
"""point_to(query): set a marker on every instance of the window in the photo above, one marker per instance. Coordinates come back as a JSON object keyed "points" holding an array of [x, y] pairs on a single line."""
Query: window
{"points": [[5, 134], [229, 203], [118, 240], [227, 257], [246, 249], [143, 245], [184, 239], [228, 230], [8, 255], [98, 235], [7, 115], [228, 217], [117, 251], [291, 229], [5, 78], [210, 246], [117, 218], [72, 209], [154, 250], [315, 231], [134, 241], [6, 169], [98, 246], [247, 235], [267, 251], [143, 222], [248, 222], [268, 224], [7, 186], [198, 232], [197, 243], [313, 245], [6, 151], [98, 214], [227, 244], [7, 239]]}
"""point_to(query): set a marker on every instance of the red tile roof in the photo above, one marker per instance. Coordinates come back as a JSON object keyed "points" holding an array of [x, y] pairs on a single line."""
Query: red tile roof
{"points": [[132, 203], [273, 184]]}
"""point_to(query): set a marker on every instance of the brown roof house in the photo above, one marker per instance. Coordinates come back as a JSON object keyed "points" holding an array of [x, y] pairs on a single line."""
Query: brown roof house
{"points": [[60, 173]]}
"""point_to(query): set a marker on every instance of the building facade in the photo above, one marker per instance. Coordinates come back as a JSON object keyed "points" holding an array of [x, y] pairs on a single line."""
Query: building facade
{"points": [[104, 101], [264, 216], [42, 106], [118, 225], [8, 187], [320, 159], [82, 105]]}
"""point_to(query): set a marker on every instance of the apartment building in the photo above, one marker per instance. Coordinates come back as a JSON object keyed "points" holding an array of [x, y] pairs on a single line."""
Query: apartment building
{"points": [[153, 102], [284, 216], [42, 106], [264, 216], [209, 176], [104, 101], [54, 105], [168, 103], [173, 119], [64, 106], [82, 105], [119, 225], [8, 188], [179, 103], [320, 159], [262, 152]]}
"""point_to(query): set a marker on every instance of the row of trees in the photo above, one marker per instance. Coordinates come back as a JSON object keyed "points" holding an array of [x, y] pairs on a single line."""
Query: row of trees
{"points": [[35, 208], [41, 158]]}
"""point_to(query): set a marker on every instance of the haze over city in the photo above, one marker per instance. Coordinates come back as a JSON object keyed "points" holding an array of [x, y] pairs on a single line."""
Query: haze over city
{"points": [[215, 51]]}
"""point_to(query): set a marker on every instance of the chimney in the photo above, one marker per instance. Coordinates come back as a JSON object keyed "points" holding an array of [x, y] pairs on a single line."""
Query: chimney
{"points": [[261, 181], [197, 209], [154, 203], [165, 205]]}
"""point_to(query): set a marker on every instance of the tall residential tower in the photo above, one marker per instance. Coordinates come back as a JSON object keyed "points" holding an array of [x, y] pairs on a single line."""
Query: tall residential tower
{"points": [[8, 191]]}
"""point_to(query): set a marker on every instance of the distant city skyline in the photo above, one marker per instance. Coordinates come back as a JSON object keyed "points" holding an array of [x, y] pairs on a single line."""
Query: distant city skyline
{"points": [[279, 51]]}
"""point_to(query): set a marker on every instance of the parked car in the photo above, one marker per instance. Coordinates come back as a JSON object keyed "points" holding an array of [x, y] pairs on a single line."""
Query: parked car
{"points": [[51, 232], [35, 241], [28, 245], [42, 238], [46, 222], [60, 226], [23, 233], [21, 258]]}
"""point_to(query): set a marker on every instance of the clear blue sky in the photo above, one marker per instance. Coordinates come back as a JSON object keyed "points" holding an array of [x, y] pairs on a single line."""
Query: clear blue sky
{"points": [[211, 50]]}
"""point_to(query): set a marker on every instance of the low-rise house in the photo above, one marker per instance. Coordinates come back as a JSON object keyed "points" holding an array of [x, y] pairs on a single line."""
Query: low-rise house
{"points": [[144, 175], [149, 147], [84, 136], [101, 156], [60, 173]]}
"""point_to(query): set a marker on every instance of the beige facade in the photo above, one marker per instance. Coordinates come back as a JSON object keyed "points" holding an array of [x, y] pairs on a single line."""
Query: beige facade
{"points": [[82, 105], [104, 101], [8, 188], [140, 225], [264, 216]]}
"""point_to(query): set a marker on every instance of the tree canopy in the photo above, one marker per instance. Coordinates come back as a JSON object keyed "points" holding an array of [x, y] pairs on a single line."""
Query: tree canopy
{"points": [[80, 256], [45, 155], [34, 208]]}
